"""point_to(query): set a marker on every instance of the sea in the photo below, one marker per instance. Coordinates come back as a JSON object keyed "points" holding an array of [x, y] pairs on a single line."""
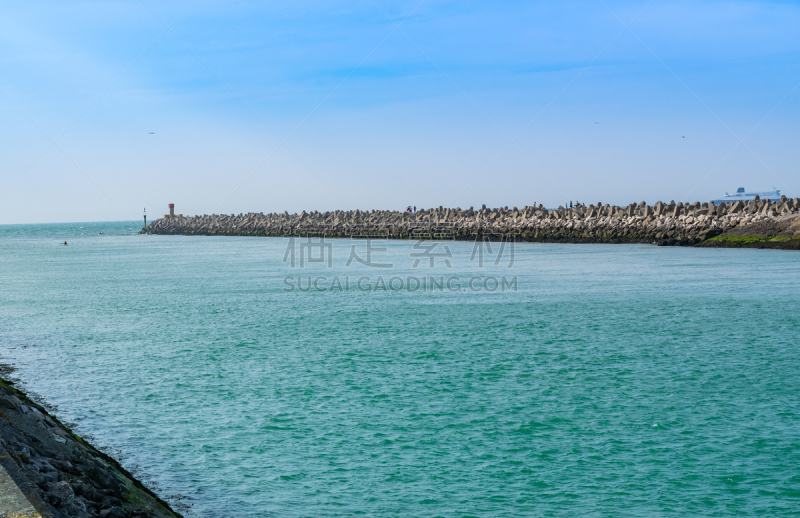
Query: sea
{"points": [[313, 377]]}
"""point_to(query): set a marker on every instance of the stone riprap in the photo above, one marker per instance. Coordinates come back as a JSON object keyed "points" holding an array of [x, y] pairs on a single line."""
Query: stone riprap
{"points": [[60, 474], [662, 223]]}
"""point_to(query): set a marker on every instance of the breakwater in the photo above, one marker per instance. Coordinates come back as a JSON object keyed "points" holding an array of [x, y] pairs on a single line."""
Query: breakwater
{"points": [[662, 223], [59, 473]]}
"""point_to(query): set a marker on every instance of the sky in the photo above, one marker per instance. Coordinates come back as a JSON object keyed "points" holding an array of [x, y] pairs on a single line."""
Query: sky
{"points": [[108, 108]]}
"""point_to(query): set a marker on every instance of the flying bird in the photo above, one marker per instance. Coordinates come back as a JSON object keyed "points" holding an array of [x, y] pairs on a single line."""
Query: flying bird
{"points": [[151, 132]]}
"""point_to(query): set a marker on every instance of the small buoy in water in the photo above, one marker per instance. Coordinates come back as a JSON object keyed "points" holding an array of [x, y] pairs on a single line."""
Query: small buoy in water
{"points": [[65, 242]]}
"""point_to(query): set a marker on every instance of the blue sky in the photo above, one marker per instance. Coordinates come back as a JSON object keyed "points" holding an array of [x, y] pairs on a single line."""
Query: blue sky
{"points": [[360, 104]]}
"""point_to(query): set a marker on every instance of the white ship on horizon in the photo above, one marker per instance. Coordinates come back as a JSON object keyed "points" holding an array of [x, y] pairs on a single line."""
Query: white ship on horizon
{"points": [[742, 195]]}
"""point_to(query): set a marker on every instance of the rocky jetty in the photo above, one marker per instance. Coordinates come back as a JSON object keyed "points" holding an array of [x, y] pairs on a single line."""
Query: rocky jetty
{"points": [[59, 473], [661, 223]]}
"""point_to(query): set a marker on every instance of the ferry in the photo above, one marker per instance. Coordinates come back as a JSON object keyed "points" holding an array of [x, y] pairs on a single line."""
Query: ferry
{"points": [[741, 195]]}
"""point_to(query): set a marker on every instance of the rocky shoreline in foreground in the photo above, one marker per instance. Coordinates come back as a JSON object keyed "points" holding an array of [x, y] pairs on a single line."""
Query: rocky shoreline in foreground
{"points": [[753, 224], [62, 475]]}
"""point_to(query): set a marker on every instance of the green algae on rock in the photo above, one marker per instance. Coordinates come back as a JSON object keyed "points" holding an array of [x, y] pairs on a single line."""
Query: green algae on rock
{"points": [[60, 473]]}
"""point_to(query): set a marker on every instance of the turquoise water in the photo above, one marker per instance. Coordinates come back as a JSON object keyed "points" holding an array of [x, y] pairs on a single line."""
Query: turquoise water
{"points": [[615, 381]]}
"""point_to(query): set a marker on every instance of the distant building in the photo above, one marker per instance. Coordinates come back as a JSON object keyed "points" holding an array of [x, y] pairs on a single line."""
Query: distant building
{"points": [[172, 212], [741, 195]]}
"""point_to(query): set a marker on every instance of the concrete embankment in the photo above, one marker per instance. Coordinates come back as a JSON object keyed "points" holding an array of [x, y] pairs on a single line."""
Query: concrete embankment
{"points": [[47, 471], [662, 223]]}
